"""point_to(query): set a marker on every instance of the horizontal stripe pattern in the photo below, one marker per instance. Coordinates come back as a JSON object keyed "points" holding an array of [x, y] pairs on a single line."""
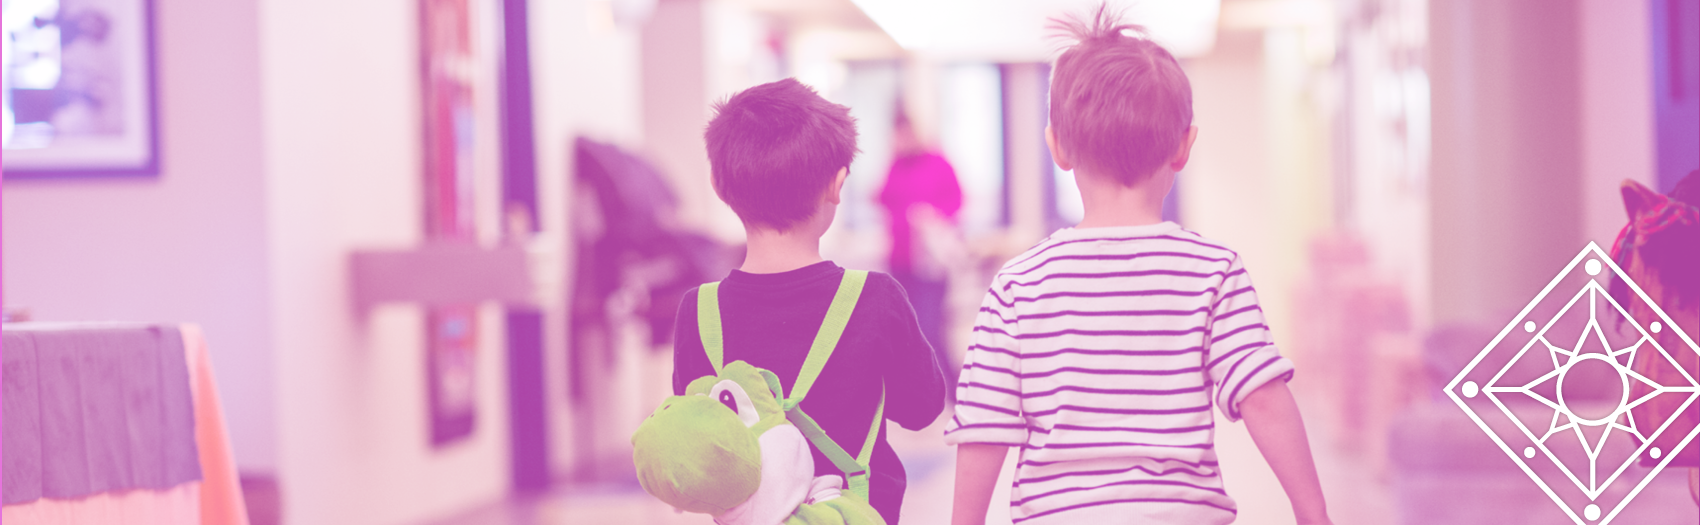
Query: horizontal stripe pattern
{"points": [[1101, 353]]}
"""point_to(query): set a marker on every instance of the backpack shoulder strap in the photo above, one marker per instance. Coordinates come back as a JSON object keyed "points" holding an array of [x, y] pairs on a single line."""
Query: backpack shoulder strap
{"points": [[865, 459], [826, 340], [856, 469], [708, 324]]}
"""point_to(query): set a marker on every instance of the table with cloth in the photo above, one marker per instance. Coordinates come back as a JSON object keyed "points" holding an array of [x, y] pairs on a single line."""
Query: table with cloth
{"points": [[113, 424]]}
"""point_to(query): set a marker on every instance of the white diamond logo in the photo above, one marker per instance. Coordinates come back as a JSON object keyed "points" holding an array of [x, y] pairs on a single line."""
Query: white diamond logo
{"points": [[1555, 390]]}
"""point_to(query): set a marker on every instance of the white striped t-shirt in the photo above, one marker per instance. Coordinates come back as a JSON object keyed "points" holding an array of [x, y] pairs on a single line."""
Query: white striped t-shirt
{"points": [[1100, 353]]}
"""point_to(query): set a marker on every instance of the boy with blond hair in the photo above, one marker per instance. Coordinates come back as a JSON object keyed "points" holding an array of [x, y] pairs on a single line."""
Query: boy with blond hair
{"points": [[1101, 352]]}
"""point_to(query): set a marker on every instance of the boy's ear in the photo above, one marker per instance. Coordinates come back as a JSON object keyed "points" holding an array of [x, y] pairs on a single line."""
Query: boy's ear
{"points": [[1178, 163], [833, 191], [1636, 197], [1057, 155]]}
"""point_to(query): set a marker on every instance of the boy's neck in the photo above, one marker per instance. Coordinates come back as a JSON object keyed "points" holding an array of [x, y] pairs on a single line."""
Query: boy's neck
{"points": [[1109, 203], [772, 251]]}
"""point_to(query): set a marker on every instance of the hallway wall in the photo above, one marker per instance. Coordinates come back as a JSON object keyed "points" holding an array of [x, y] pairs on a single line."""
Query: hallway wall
{"points": [[344, 172], [1507, 163], [1541, 110], [587, 82], [1616, 75], [186, 246], [291, 136]]}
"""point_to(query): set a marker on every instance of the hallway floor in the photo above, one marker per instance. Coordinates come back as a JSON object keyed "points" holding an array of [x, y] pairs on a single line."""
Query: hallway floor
{"points": [[1355, 495]]}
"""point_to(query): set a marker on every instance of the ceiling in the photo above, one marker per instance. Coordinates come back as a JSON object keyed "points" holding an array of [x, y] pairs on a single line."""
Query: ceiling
{"points": [[999, 30]]}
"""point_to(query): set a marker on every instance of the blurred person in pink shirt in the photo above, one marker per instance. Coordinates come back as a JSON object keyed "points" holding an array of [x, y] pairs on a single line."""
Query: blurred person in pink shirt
{"points": [[921, 195]]}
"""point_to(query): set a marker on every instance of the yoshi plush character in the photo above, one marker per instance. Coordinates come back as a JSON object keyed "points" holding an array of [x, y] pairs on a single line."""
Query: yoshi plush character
{"points": [[726, 449]]}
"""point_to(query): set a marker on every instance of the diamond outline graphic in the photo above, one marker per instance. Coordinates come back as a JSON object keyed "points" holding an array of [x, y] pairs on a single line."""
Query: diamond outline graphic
{"points": [[1594, 292], [1593, 488]]}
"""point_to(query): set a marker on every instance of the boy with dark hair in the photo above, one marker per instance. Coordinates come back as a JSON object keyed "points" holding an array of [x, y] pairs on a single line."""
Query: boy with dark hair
{"points": [[779, 154], [1101, 351]]}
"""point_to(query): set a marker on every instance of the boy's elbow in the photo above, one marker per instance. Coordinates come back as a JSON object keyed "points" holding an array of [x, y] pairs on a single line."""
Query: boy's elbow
{"points": [[918, 423], [1271, 397], [925, 409], [916, 418]]}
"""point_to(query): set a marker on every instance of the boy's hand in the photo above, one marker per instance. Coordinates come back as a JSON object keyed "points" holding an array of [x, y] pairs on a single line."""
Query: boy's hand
{"points": [[977, 469], [1273, 419]]}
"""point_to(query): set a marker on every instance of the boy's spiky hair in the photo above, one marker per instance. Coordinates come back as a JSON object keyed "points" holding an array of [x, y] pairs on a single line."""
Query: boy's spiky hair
{"points": [[1120, 103], [773, 150]]}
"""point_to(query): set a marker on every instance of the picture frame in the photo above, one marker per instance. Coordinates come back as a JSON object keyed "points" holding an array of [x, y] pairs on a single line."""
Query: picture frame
{"points": [[80, 89], [455, 70]]}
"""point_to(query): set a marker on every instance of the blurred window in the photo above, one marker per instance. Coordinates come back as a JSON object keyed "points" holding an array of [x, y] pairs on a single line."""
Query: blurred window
{"points": [[971, 136]]}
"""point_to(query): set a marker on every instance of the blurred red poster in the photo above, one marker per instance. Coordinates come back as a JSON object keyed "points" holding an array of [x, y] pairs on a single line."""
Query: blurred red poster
{"points": [[447, 74]]}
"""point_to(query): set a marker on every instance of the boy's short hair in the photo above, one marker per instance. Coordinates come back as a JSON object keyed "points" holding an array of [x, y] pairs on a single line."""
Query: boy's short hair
{"points": [[1119, 102], [773, 150]]}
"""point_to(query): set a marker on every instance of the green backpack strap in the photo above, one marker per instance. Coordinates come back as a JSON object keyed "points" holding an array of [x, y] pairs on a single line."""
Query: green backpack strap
{"points": [[708, 324], [855, 469], [826, 340]]}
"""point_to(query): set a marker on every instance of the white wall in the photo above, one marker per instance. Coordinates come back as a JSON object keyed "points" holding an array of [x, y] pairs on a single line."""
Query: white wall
{"points": [[585, 82], [292, 136], [676, 72], [186, 246], [1507, 166], [343, 163], [1226, 185], [1617, 110]]}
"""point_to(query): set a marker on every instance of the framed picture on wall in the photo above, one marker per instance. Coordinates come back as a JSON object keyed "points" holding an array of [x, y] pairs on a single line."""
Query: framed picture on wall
{"points": [[453, 60], [79, 91]]}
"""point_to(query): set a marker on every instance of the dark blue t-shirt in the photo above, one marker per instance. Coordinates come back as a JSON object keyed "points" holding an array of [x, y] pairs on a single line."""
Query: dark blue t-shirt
{"points": [[769, 321]]}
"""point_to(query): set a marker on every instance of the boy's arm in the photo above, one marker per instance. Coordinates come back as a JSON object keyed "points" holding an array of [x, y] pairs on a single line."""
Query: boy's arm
{"points": [[988, 417], [977, 468], [690, 361], [914, 382], [1273, 419], [1250, 379]]}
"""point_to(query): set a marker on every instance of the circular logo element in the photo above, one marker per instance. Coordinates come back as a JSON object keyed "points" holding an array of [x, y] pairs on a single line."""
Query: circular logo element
{"points": [[1592, 371]]}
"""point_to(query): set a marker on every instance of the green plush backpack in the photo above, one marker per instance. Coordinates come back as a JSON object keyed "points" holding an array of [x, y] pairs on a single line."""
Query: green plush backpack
{"points": [[714, 449]]}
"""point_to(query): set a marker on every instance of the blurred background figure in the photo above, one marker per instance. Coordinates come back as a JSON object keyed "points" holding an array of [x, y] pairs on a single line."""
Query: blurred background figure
{"points": [[1661, 240], [921, 197]]}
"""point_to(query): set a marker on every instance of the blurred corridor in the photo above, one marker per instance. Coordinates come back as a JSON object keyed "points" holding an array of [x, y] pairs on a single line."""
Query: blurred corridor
{"points": [[436, 246]]}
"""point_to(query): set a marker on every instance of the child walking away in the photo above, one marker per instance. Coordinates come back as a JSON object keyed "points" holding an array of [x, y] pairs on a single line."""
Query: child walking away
{"points": [[779, 154], [1101, 352]]}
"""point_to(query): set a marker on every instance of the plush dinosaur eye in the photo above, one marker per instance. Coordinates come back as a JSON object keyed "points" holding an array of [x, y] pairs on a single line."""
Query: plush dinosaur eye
{"points": [[728, 393]]}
